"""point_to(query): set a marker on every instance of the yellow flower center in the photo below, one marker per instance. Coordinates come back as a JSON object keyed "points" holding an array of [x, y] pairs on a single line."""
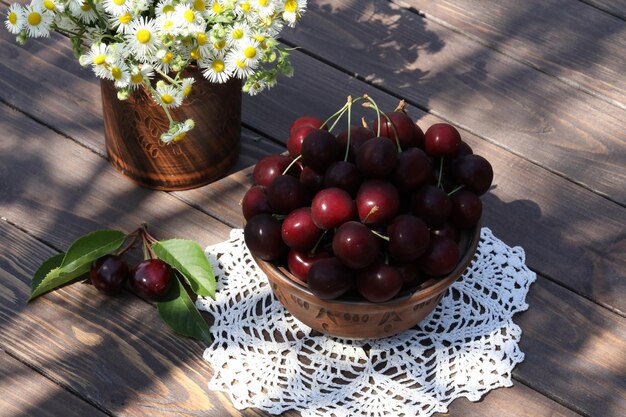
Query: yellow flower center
{"points": [[125, 18], [189, 15], [168, 8], [116, 73], [259, 38], [187, 90], [199, 5], [167, 99], [13, 18], [217, 8], [168, 57], [179, 137], [245, 7], [49, 5], [220, 44], [263, 3], [240, 63], [195, 54], [119, 2], [201, 39], [136, 78], [250, 52], [218, 65], [237, 34], [143, 36], [291, 6], [85, 7], [168, 24], [34, 18], [99, 59]]}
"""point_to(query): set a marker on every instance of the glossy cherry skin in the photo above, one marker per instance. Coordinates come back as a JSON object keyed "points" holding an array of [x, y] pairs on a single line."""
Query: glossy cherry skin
{"points": [[440, 258], [431, 204], [377, 158], [442, 139], [411, 275], [301, 121], [255, 202], [298, 230], [271, 167], [414, 169], [473, 171], [400, 125], [408, 238], [379, 282], [294, 143], [466, 209], [332, 207], [445, 230], [300, 262], [151, 278], [262, 235], [313, 181], [358, 136], [355, 245], [109, 274], [377, 202], [344, 175], [320, 149], [329, 278], [286, 193]]}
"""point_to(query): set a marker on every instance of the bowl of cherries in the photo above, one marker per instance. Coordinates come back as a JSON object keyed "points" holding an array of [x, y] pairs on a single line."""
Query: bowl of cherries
{"points": [[360, 233]]}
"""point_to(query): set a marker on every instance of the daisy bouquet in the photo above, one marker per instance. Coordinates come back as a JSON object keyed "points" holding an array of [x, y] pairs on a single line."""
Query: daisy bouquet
{"points": [[148, 43]]}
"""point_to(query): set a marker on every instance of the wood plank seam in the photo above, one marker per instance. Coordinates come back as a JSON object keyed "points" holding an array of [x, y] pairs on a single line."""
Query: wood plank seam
{"points": [[602, 9], [493, 46], [453, 122]]}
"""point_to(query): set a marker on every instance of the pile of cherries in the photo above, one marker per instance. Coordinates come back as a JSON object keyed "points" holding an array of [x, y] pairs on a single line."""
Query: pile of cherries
{"points": [[370, 211]]}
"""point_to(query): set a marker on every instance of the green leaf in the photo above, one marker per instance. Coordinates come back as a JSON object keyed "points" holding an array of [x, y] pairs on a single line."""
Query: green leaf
{"points": [[76, 261], [189, 259], [180, 313], [45, 268]]}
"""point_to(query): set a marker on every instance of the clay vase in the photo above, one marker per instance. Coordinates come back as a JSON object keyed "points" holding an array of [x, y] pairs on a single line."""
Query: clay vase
{"points": [[133, 127]]}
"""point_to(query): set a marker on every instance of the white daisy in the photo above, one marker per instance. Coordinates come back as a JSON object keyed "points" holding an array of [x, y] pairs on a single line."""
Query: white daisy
{"points": [[140, 75], [122, 22], [264, 8], [140, 5], [166, 24], [164, 6], [37, 22], [186, 86], [99, 57], [199, 5], [141, 37], [293, 10], [186, 15], [168, 95], [215, 70], [243, 7], [177, 131], [217, 8], [119, 74], [164, 60], [117, 7], [239, 65], [83, 11], [15, 19], [239, 32], [50, 5], [204, 46], [249, 50]]}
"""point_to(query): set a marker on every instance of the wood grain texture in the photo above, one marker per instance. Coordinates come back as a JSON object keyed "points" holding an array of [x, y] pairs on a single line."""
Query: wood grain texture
{"points": [[508, 103], [25, 393], [614, 7], [567, 39]]}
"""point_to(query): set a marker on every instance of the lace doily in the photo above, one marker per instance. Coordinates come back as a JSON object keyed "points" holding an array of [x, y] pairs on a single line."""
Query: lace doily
{"points": [[265, 358]]}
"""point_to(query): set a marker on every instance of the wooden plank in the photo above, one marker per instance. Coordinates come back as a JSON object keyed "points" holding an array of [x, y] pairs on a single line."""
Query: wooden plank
{"points": [[508, 103], [567, 39], [25, 393], [616, 8], [575, 239]]}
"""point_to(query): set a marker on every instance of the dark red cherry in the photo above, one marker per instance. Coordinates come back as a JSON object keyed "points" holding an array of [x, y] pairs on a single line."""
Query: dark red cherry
{"points": [[379, 282], [413, 170], [298, 230], [294, 143], [358, 136], [377, 202], [445, 230], [300, 262], [313, 181], [301, 121], [441, 257], [320, 149], [431, 204], [442, 139], [109, 273], [344, 175], [411, 275], [271, 167], [151, 278], [466, 209], [377, 158], [399, 125], [286, 193], [329, 278], [262, 235], [408, 238], [331, 208], [473, 171], [355, 245], [255, 202]]}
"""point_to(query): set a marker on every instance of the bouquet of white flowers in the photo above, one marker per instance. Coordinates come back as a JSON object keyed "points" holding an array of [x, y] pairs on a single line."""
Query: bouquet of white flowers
{"points": [[131, 41]]}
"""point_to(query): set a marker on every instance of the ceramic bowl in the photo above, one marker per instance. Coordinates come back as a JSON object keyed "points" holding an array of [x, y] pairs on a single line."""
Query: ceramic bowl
{"points": [[359, 319]]}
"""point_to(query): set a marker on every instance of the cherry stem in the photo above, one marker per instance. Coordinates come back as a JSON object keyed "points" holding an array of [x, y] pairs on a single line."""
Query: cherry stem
{"points": [[345, 158], [372, 103], [314, 248], [378, 113], [372, 211], [440, 172], [380, 235], [401, 106], [147, 238], [129, 243], [291, 164], [456, 189]]}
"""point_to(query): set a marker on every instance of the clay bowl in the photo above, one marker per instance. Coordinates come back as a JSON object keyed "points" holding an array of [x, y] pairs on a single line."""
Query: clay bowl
{"points": [[358, 319]]}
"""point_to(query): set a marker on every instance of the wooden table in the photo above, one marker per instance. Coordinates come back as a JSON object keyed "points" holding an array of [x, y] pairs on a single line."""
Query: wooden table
{"points": [[539, 87]]}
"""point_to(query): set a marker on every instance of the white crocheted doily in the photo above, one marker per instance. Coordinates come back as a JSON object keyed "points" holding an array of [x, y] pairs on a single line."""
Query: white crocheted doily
{"points": [[263, 357]]}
